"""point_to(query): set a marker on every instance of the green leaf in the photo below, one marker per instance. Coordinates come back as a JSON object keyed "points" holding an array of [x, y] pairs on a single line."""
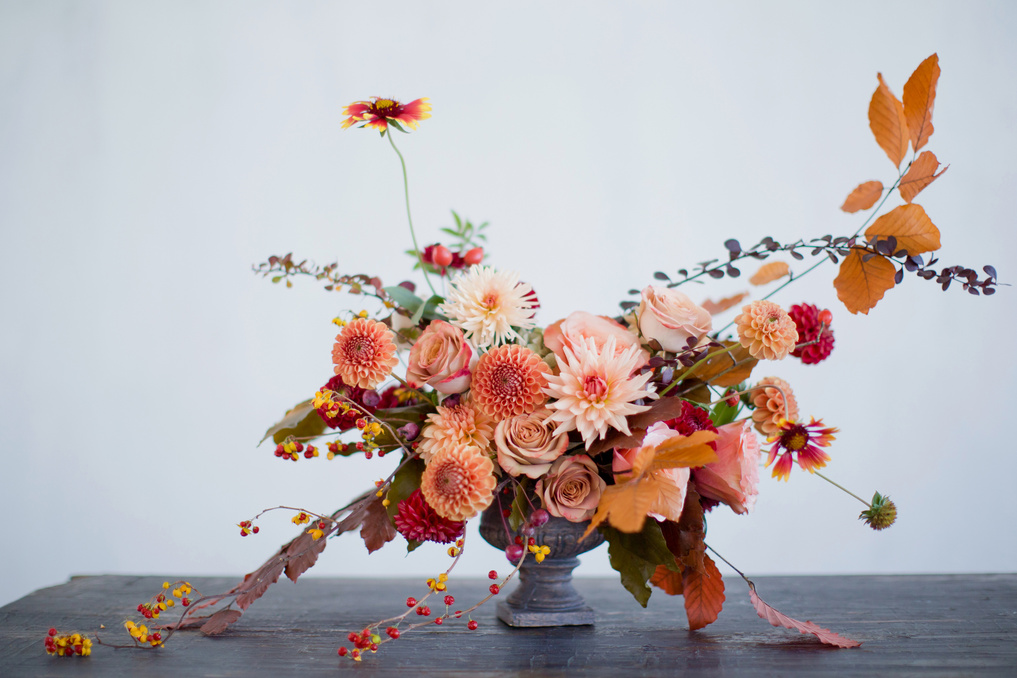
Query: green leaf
{"points": [[519, 507], [724, 413], [404, 483], [276, 278], [635, 571], [300, 422], [648, 544], [428, 309], [412, 544], [404, 298], [397, 126], [399, 416]]}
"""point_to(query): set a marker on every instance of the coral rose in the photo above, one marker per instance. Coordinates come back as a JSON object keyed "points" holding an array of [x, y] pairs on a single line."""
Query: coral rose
{"points": [[582, 325], [572, 488], [527, 445], [442, 359], [734, 477], [668, 505], [671, 318]]}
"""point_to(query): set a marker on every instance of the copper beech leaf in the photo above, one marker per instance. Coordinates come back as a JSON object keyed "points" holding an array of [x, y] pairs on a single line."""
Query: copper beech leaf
{"points": [[863, 197], [778, 618], [861, 284], [919, 100], [704, 594], [726, 369], [377, 528], [767, 273], [218, 622], [715, 307], [887, 122], [668, 581], [910, 225], [921, 173]]}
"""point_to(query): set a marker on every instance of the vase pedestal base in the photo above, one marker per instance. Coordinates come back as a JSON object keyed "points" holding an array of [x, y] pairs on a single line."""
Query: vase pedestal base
{"points": [[545, 596]]}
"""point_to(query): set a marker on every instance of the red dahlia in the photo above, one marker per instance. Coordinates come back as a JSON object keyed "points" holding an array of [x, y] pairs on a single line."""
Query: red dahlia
{"points": [[812, 332], [692, 419], [417, 521]]}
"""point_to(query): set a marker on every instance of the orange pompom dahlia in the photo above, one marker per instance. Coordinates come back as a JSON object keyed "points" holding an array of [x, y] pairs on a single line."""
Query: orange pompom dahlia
{"points": [[509, 381], [457, 424], [766, 330], [769, 403], [364, 353], [459, 482]]}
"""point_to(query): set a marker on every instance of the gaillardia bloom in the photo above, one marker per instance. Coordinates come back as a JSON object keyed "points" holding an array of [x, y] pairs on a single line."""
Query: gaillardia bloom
{"points": [[364, 353], [595, 390], [457, 424], [796, 442], [487, 305], [378, 112], [766, 330], [769, 403], [509, 381], [459, 482]]}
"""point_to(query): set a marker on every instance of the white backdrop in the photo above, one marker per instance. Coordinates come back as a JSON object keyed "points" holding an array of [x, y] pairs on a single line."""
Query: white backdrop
{"points": [[151, 152]]}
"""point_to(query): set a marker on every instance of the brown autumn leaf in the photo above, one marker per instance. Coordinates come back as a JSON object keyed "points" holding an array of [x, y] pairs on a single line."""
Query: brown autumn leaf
{"points": [[686, 537], [863, 197], [919, 100], [218, 622], [626, 503], [727, 369], [775, 270], [861, 284], [704, 594], [667, 581], [715, 307], [661, 409], [910, 225], [887, 122], [377, 529], [921, 174], [778, 618]]}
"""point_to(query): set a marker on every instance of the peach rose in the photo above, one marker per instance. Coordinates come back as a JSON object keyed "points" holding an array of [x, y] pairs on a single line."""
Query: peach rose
{"points": [[527, 445], [442, 359], [671, 318], [572, 488], [668, 506], [733, 478], [582, 325]]}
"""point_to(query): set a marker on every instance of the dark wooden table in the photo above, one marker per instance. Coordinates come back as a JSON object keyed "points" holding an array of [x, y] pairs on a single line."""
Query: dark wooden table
{"points": [[956, 625]]}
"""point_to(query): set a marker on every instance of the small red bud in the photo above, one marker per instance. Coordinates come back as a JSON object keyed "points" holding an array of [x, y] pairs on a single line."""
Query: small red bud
{"points": [[825, 317], [53, 632], [255, 529], [392, 632], [441, 256], [493, 574], [439, 621], [474, 256], [514, 552], [531, 542], [411, 601], [343, 651], [185, 602], [374, 647], [449, 600], [472, 625], [352, 637], [495, 589]]}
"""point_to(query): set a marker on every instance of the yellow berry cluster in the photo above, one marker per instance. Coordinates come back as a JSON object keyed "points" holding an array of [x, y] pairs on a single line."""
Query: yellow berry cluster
{"points": [[454, 551], [330, 402], [439, 583], [317, 531], [141, 635], [72, 645], [539, 552]]}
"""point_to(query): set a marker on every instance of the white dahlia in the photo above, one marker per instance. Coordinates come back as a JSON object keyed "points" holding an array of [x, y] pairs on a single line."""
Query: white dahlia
{"points": [[596, 389], [487, 305]]}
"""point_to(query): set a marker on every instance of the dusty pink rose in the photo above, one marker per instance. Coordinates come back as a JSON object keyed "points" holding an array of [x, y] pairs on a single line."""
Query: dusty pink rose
{"points": [[572, 488], [671, 318], [733, 478], [668, 506], [527, 445], [582, 325], [442, 359]]}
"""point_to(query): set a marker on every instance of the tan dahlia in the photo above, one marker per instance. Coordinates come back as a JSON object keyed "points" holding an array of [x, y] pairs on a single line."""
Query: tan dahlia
{"points": [[766, 330], [509, 381], [459, 482], [769, 402], [487, 304], [457, 424], [364, 353], [596, 389]]}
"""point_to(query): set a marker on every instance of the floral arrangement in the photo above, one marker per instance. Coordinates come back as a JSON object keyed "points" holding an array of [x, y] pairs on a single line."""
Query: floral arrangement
{"points": [[634, 425]]}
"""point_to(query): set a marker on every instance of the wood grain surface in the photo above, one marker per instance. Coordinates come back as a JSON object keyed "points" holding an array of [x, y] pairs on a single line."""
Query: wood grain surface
{"points": [[939, 625]]}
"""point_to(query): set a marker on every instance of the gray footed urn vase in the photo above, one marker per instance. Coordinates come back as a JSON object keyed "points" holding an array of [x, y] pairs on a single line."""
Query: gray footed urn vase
{"points": [[545, 595]]}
